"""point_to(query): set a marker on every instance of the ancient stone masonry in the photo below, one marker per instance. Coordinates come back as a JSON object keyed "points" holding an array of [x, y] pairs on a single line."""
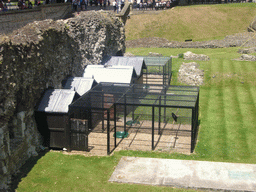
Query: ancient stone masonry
{"points": [[39, 56]]}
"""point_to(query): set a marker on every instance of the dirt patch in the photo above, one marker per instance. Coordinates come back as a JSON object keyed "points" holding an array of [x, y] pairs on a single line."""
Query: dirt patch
{"points": [[246, 39]]}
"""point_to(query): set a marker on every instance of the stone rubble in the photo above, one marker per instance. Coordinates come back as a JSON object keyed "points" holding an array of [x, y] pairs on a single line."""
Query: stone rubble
{"points": [[192, 56], [190, 74], [246, 57], [247, 50]]}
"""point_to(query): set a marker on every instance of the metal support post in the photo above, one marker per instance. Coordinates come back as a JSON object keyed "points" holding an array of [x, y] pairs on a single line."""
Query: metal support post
{"points": [[153, 123], [133, 103], [146, 76], [159, 118], [115, 122], [165, 90], [193, 131], [68, 133], [108, 133], [163, 75], [102, 96], [124, 113]]}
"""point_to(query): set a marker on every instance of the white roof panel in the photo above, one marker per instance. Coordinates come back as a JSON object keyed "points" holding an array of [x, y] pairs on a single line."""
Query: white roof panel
{"points": [[137, 62], [112, 74], [79, 84], [56, 100]]}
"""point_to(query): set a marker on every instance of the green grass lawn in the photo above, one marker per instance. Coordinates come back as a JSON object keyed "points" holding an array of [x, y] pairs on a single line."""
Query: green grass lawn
{"points": [[227, 102], [197, 22], [58, 172], [227, 130]]}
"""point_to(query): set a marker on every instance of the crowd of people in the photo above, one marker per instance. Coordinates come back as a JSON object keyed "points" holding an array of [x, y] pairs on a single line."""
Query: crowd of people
{"points": [[83, 4], [154, 4], [22, 4], [117, 5], [4, 6]]}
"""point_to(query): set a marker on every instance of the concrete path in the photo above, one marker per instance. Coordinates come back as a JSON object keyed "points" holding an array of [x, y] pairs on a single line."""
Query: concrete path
{"points": [[186, 173]]}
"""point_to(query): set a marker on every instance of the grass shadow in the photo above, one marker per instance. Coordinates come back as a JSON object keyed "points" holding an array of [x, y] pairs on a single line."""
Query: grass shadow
{"points": [[25, 169]]}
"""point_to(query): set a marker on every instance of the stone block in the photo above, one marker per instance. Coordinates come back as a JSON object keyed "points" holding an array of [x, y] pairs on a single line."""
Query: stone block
{"points": [[2, 154], [3, 169]]}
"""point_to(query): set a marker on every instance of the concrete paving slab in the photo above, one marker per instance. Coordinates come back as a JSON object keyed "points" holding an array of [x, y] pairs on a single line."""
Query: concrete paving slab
{"points": [[186, 173]]}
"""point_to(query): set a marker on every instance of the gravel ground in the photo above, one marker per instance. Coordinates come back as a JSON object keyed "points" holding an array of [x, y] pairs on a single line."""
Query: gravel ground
{"points": [[246, 39]]}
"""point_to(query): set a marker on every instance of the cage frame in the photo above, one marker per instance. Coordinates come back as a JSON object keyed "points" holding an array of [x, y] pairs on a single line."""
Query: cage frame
{"points": [[163, 63], [125, 94]]}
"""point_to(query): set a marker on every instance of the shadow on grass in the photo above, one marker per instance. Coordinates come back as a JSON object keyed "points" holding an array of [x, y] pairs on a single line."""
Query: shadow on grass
{"points": [[25, 169]]}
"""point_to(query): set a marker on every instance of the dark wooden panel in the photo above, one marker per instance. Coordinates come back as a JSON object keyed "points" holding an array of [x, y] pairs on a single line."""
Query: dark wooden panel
{"points": [[79, 134], [57, 139], [56, 121]]}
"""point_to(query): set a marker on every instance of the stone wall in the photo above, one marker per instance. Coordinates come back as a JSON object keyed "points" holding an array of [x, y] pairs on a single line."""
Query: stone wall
{"points": [[12, 20], [38, 56]]}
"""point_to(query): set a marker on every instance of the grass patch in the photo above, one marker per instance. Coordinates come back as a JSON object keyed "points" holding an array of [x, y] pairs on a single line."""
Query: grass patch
{"points": [[196, 22], [227, 130], [227, 104], [58, 172]]}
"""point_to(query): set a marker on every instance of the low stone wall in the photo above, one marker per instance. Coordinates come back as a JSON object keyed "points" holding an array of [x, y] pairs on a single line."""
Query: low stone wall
{"points": [[39, 56], [13, 20]]}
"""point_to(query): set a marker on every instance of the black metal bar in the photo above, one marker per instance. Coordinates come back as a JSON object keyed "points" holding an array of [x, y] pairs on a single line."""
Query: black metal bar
{"points": [[163, 76], [133, 103], [153, 123], [147, 76], [165, 104], [196, 119], [149, 105], [68, 133], [168, 66], [193, 131], [170, 75], [102, 100], [115, 123], [108, 132], [86, 136], [159, 118], [125, 113]]}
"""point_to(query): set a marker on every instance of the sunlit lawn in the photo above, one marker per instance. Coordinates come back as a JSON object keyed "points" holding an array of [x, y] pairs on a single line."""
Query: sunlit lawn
{"points": [[227, 104], [227, 130], [197, 22]]}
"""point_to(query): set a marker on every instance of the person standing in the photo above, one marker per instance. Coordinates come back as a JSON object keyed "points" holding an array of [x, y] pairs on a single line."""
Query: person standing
{"points": [[83, 5], [74, 3], [122, 4], [1, 5], [114, 5]]}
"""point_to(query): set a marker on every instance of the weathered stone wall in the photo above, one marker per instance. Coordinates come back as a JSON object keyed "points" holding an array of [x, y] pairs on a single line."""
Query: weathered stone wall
{"points": [[13, 20], [38, 56]]}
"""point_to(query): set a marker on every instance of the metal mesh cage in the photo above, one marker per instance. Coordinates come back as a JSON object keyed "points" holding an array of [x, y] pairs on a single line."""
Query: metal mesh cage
{"points": [[159, 104]]}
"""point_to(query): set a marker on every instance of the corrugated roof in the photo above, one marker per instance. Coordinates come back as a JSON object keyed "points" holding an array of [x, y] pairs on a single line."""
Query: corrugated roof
{"points": [[79, 84], [111, 74], [56, 101], [137, 62]]}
